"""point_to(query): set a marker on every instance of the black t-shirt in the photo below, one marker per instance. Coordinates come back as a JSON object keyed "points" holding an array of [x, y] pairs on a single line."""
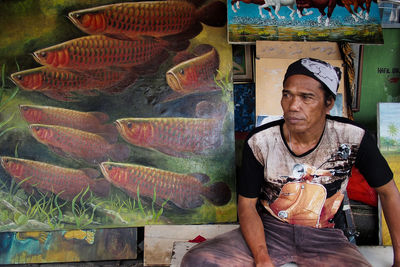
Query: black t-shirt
{"points": [[268, 163]]}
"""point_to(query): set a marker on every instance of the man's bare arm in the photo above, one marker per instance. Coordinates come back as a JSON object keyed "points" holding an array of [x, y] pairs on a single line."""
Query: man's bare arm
{"points": [[390, 201], [253, 230]]}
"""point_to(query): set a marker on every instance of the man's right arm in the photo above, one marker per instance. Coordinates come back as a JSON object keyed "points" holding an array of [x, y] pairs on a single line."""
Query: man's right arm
{"points": [[253, 230]]}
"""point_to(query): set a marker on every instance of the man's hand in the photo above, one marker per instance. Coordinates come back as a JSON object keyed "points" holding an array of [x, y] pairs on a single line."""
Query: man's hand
{"points": [[253, 231]]}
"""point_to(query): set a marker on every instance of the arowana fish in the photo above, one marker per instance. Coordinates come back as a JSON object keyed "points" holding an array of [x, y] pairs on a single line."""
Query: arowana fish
{"points": [[64, 85], [93, 122], [174, 19], [66, 182], [90, 52], [186, 191], [66, 141], [38, 235], [172, 136], [87, 235], [196, 74]]}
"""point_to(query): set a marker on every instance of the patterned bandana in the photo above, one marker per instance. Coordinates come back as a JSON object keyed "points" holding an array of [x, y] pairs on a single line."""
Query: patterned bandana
{"points": [[328, 75]]}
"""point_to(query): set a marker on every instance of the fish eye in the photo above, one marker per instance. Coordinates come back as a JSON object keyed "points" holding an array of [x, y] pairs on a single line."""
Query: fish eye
{"points": [[77, 15], [24, 108], [182, 71], [129, 125], [37, 128], [43, 54], [6, 160], [109, 168], [19, 77]]}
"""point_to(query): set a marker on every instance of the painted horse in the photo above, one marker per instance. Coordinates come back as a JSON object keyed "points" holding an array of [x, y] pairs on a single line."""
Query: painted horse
{"points": [[356, 3], [256, 2], [277, 5], [320, 5]]}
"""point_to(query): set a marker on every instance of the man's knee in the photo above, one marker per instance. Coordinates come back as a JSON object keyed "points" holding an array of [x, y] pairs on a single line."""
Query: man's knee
{"points": [[198, 257]]}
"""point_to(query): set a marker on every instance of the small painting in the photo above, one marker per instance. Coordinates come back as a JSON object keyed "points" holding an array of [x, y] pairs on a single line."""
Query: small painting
{"points": [[68, 246], [389, 145], [243, 62]]}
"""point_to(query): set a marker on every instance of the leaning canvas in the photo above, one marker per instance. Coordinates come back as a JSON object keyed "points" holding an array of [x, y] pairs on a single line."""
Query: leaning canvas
{"points": [[389, 144], [115, 114]]}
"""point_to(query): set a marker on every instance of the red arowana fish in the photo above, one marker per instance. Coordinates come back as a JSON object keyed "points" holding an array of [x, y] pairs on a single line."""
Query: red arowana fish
{"points": [[63, 84], [186, 191], [172, 136], [196, 74], [90, 52], [93, 122], [176, 19], [72, 142], [51, 178]]}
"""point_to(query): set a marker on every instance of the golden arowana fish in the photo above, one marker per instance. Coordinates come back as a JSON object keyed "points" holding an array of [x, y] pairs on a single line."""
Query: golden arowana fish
{"points": [[63, 85], [87, 235], [186, 191], [93, 122], [196, 74], [175, 19], [172, 136], [92, 52], [67, 141], [37, 235], [55, 179]]}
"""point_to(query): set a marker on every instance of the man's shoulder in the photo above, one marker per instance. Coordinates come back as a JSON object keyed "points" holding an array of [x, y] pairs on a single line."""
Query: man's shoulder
{"points": [[263, 129], [342, 122]]}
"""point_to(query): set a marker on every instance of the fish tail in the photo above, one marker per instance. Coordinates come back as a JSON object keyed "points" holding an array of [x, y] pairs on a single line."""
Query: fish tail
{"points": [[218, 194], [101, 187], [90, 237], [110, 133], [213, 14], [120, 152]]}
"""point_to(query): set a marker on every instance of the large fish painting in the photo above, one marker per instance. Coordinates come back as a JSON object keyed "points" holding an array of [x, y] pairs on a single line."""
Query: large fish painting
{"points": [[115, 114]]}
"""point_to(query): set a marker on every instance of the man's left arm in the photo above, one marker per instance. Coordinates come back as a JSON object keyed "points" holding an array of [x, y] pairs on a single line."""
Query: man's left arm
{"points": [[390, 200]]}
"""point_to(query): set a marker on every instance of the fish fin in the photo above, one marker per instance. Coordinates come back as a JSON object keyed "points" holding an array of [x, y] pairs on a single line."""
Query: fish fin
{"points": [[118, 36], [89, 237], [152, 66], [67, 97], [92, 173], [110, 133], [213, 14], [101, 187], [202, 49], [171, 152], [88, 92], [173, 96], [201, 177], [58, 151], [178, 46], [101, 116], [218, 194], [119, 152], [182, 56], [207, 109], [188, 34], [121, 85]]}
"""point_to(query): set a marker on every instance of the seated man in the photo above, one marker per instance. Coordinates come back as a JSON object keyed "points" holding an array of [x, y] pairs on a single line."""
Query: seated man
{"points": [[293, 179]]}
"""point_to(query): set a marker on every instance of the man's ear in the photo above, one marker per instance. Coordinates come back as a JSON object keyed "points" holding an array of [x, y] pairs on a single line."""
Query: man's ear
{"points": [[330, 102]]}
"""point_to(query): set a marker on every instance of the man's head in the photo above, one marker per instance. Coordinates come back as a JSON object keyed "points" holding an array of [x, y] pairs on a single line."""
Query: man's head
{"points": [[309, 90], [328, 75]]}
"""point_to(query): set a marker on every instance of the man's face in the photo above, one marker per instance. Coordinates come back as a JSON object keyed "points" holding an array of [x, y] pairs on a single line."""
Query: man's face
{"points": [[303, 104]]}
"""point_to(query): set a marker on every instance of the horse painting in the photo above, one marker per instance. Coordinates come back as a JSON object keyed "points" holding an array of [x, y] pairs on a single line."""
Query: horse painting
{"points": [[277, 4]]}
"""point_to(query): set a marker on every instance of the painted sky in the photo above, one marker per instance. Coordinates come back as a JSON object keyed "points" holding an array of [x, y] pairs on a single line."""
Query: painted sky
{"points": [[388, 113]]}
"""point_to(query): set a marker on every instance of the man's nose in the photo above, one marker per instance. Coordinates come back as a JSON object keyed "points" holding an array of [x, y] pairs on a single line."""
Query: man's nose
{"points": [[294, 104]]}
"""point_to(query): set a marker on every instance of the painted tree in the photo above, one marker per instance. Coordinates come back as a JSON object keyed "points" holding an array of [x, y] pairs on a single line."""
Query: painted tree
{"points": [[393, 130]]}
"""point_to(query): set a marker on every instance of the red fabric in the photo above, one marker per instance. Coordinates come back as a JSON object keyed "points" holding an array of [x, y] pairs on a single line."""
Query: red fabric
{"points": [[198, 239], [359, 190]]}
